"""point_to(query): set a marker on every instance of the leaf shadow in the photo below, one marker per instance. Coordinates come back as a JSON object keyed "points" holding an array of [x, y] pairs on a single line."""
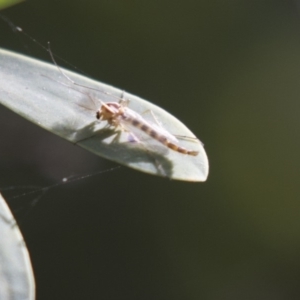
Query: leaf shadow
{"points": [[105, 143]]}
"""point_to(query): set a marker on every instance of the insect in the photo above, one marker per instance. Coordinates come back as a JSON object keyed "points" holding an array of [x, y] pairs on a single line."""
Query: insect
{"points": [[119, 115]]}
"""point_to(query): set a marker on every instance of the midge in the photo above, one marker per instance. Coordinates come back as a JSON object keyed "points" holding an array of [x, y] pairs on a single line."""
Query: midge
{"points": [[118, 115]]}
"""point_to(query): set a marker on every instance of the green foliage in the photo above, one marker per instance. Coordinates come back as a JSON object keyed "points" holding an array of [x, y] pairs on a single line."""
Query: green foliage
{"points": [[7, 3]]}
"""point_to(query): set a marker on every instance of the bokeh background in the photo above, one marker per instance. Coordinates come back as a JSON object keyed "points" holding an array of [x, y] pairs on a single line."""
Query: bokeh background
{"points": [[230, 70]]}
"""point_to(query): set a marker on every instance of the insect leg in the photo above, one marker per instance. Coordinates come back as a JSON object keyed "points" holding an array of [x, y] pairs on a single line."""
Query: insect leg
{"points": [[151, 113], [182, 137], [123, 101]]}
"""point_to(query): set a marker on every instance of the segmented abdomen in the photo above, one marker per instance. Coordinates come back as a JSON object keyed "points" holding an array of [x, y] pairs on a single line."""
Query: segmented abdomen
{"points": [[148, 129]]}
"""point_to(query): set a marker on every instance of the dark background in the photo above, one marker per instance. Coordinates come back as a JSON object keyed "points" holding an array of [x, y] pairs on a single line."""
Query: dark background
{"points": [[230, 70]]}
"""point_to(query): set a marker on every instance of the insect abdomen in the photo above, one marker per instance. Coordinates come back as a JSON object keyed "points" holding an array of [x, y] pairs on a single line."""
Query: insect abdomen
{"points": [[181, 149], [159, 137]]}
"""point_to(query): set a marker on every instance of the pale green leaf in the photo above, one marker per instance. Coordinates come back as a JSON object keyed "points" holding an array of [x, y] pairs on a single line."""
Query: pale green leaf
{"points": [[16, 275], [38, 92]]}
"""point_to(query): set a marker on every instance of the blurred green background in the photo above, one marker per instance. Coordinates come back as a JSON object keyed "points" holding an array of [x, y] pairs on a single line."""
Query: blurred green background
{"points": [[230, 70]]}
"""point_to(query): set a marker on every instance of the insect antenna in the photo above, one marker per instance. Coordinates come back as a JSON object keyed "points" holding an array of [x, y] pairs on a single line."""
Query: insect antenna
{"points": [[95, 106], [72, 81]]}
